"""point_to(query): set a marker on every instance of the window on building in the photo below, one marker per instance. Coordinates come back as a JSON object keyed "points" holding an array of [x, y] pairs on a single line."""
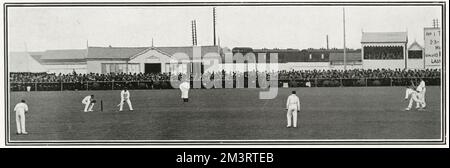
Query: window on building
{"points": [[383, 53], [167, 67], [348, 62], [176, 68], [337, 62], [415, 54], [134, 68], [120, 68], [183, 68]]}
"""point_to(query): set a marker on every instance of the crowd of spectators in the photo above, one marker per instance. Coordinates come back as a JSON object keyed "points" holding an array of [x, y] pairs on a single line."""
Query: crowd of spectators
{"points": [[358, 74], [74, 77], [383, 53], [282, 75], [306, 78]]}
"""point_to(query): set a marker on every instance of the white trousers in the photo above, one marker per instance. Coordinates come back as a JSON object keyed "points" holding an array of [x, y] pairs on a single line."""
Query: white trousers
{"points": [[20, 121], [408, 92], [184, 94], [421, 97], [415, 98], [87, 107], [292, 115], [129, 104]]}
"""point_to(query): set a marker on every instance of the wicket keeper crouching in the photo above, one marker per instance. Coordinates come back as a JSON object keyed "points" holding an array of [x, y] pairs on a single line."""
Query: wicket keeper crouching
{"points": [[88, 102]]}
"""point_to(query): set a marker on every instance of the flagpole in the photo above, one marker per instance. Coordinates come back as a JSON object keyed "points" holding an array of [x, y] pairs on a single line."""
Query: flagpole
{"points": [[345, 48]]}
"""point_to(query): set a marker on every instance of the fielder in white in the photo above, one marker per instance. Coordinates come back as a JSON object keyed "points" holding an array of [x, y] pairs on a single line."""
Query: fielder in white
{"points": [[20, 109], [88, 102], [125, 97], [292, 106], [184, 87]]}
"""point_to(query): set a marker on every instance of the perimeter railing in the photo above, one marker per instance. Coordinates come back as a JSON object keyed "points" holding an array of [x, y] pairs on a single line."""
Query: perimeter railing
{"points": [[165, 84]]}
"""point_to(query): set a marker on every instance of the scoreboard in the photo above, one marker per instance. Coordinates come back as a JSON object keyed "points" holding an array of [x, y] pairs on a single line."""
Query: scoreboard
{"points": [[433, 47]]}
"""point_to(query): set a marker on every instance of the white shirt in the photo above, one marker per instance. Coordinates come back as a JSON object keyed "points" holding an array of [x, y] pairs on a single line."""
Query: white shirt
{"points": [[421, 86], [293, 100], [21, 107], [184, 86], [308, 84], [86, 100], [125, 95]]}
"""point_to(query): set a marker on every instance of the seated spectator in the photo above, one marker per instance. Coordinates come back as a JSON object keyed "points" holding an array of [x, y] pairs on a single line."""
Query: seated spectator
{"points": [[282, 75]]}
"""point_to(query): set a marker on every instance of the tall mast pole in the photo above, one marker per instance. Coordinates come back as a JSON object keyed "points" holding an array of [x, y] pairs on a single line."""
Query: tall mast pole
{"points": [[214, 25], [345, 48]]}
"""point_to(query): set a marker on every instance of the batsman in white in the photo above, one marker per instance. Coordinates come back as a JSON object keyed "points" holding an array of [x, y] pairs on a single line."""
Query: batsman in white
{"points": [[184, 87], [125, 97], [413, 95], [20, 109], [421, 90], [292, 106], [88, 102]]}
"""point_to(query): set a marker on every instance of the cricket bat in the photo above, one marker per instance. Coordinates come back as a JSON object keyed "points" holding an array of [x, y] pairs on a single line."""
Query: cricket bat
{"points": [[119, 104]]}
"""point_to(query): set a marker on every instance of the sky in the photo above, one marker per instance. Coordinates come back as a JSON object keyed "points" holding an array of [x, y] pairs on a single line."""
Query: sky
{"points": [[49, 28]]}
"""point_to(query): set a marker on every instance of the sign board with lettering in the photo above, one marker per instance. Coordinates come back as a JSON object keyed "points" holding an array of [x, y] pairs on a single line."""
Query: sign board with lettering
{"points": [[433, 47]]}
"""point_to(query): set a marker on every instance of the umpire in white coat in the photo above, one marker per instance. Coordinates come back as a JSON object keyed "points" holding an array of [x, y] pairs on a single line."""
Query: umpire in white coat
{"points": [[184, 88], [293, 107]]}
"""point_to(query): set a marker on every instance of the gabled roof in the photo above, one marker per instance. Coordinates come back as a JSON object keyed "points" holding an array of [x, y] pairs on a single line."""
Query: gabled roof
{"points": [[188, 50], [129, 52], [148, 49], [415, 46], [64, 54], [23, 62], [274, 50], [36, 56], [114, 52], [353, 56], [384, 37]]}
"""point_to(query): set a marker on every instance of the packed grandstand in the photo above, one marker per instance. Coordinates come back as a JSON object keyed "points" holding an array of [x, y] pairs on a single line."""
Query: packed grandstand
{"points": [[299, 78], [282, 75]]}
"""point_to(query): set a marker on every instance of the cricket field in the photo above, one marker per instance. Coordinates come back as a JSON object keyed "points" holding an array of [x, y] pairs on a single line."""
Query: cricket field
{"points": [[342, 113]]}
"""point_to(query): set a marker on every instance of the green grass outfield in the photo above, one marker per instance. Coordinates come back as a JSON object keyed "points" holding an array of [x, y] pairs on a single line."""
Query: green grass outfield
{"points": [[229, 114]]}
